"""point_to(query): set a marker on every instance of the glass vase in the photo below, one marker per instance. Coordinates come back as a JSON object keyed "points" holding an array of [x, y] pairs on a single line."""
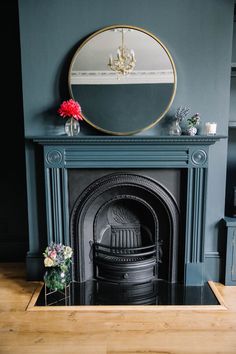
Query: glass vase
{"points": [[175, 128], [57, 279], [72, 127]]}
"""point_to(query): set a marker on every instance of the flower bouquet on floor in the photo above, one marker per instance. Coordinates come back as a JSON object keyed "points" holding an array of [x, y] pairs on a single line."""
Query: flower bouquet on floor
{"points": [[57, 260]]}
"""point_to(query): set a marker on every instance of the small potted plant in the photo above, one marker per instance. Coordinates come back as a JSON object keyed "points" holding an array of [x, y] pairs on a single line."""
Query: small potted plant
{"points": [[71, 109], [57, 260], [192, 124]]}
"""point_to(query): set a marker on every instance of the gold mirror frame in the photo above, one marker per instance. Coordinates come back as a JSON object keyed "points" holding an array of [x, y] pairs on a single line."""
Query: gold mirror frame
{"points": [[174, 83]]}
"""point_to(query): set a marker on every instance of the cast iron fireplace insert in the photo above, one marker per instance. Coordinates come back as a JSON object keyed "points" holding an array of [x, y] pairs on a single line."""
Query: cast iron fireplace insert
{"points": [[125, 229]]}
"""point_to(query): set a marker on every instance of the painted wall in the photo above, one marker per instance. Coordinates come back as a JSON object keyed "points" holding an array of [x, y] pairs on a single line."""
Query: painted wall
{"points": [[13, 208], [234, 40], [231, 172], [199, 37], [138, 106], [231, 166]]}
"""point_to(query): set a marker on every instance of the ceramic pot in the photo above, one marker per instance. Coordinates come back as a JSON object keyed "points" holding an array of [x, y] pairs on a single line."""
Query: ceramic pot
{"points": [[191, 131]]}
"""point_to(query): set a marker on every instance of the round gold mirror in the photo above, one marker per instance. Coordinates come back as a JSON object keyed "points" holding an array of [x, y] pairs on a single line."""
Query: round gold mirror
{"points": [[124, 79]]}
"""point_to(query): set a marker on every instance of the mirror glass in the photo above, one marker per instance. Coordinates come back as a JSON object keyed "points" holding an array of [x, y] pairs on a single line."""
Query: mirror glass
{"points": [[124, 79]]}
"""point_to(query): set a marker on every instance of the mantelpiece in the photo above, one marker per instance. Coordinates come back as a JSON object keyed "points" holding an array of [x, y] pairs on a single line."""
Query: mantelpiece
{"points": [[62, 153]]}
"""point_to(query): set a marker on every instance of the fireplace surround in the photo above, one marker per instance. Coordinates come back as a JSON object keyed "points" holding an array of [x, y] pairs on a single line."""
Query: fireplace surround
{"points": [[114, 205]]}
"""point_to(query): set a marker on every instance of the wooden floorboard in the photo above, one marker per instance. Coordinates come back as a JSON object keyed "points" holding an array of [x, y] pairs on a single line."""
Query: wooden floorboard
{"points": [[120, 332]]}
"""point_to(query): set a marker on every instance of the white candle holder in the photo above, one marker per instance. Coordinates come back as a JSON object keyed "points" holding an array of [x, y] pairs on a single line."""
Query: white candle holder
{"points": [[210, 128]]}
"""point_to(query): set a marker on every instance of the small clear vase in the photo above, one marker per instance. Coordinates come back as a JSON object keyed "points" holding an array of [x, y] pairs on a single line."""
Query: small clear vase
{"points": [[72, 127], [57, 279], [175, 128]]}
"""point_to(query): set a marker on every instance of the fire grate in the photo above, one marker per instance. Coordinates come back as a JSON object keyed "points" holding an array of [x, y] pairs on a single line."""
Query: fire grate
{"points": [[125, 264], [123, 254]]}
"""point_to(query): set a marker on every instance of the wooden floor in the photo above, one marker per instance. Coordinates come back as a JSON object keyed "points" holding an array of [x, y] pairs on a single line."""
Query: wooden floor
{"points": [[176, 331]]}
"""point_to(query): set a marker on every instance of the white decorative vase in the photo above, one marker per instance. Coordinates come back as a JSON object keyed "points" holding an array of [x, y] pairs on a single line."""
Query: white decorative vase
{"points": [[72, 127], [191, 131]]}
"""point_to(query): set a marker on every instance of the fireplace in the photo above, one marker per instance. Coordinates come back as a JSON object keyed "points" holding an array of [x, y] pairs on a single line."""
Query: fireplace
{"points": [[128, 225], [125, 226]]}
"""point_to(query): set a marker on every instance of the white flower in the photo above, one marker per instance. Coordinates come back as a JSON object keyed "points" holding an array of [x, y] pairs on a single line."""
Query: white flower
{"points": [[67, 252]]}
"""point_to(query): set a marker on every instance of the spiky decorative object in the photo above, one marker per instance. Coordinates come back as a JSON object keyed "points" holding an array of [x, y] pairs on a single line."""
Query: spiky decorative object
{"points": [[181, 113]]}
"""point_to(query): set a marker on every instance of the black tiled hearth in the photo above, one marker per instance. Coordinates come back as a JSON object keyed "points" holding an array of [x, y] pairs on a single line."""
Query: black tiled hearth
{"points": [[156, 292]]}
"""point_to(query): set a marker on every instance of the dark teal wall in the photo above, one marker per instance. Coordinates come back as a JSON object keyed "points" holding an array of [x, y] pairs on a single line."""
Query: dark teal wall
{"points": [[199, 37], [197, 33], [234, 40], [231, 166], [13, 209], [231, 172], [137, 106]]}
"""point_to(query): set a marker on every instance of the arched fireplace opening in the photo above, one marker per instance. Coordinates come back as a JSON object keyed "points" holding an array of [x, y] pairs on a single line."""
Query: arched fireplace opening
{"points": [[125, 229]]}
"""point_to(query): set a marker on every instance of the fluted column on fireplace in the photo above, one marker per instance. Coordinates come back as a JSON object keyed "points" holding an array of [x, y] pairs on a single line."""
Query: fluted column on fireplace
{"points": [[195, 234]]}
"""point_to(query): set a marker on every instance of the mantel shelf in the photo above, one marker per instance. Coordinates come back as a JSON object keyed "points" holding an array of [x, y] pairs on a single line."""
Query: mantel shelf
{"points": [[134, 140]]}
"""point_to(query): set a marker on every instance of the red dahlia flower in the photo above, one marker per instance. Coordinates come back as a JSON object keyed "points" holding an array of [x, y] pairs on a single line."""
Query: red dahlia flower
{"points": [[70, 108]]}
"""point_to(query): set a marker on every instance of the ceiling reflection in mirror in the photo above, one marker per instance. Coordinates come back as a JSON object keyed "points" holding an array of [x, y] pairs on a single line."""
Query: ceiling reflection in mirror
{"points": [[124, 79]]}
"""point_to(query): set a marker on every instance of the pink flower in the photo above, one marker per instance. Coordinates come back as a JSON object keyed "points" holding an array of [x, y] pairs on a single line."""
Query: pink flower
{"points": [[70, 108], [53, 255]]}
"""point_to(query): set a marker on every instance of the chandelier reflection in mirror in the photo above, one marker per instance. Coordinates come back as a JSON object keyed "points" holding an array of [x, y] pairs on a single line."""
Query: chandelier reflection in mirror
{"points": [[125, 62]]}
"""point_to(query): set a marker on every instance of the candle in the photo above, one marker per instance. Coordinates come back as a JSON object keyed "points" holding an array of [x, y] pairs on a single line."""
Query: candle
{"points": [[210, 128], [110, 59], [119, 53]]}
